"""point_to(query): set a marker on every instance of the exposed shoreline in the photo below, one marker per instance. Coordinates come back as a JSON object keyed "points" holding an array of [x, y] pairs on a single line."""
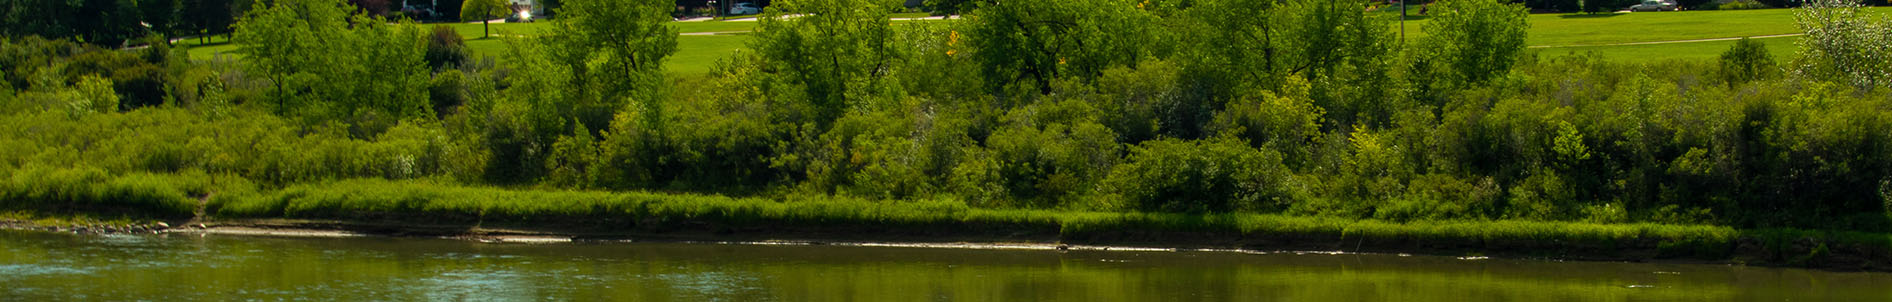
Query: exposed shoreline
{"points": [[1751, 250]]}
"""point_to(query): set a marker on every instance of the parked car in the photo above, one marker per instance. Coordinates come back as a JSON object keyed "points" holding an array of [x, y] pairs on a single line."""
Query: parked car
{"points": [[521, 16], [1653, 6], [744, 9]]}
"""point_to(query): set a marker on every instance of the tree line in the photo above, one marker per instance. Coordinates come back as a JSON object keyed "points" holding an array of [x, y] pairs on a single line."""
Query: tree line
{"points": [[1299, 107]]}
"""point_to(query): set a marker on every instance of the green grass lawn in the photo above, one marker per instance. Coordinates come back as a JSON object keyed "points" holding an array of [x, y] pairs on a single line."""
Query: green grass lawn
{"points": [[1585, 29], [1782, 48], [696, 54]]}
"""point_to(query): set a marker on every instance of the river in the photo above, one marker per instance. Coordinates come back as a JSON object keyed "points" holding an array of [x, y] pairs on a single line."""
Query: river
{"points": [[42, 266]]}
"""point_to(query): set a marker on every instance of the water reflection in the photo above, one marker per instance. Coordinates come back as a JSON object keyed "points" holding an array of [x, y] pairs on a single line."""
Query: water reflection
{"points": [[48, 266]]}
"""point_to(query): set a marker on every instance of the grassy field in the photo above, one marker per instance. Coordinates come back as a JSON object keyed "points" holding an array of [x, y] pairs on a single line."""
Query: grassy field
{"points": [[1586, 29], [1783, 49], [1565, 34]]}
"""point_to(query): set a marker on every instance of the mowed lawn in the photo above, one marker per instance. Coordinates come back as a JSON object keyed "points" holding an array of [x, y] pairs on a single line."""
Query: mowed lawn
{"points": [[1550, 35]]}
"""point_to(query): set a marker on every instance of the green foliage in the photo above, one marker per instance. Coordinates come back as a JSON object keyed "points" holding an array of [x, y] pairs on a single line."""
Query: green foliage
{"points": [[599, 58], [1747, 61], [1285, 124], [91, 190], [1474, 40], [837, 53], [1437, 197], [1035, 43], [207, 17], [94, 95], [1607, 6], [248, 144], [937, 63], [614, 52], [296, 45], [484, 11], [572, 159], [445, 48], [1220, 175], [1844, 44], [1052, 153], [1218, 109], [1240, 48], [723, 146], [448, 91], [106, 23], [1149, 101]]}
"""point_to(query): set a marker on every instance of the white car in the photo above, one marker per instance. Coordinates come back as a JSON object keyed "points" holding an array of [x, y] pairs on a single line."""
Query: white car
{"points": [[744, 9], [1653, 6]]}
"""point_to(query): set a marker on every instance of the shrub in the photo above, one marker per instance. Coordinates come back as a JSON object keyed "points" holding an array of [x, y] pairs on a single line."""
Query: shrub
{"points": [[1283, 124], [445, 48], [1443, 197], [447, 92], [1219, 175], [1052, 153], [140, 86], [1747, 61], [693, 146], [94, 95]]}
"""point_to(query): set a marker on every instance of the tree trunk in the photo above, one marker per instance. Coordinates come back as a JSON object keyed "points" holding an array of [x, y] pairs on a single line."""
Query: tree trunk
{"points": [[486, 27]]}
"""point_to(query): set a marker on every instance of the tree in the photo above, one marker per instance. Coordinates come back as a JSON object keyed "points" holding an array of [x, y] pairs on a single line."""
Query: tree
{"points": [[161, 15], [615, 51], [378, 8], [1476, 40], [1240, 47], [98, 22], [837, 52], [485, 11], [1747, 61], [1844, 43], [207, 17], [1043, 41], [598, 66], [297, 45]]}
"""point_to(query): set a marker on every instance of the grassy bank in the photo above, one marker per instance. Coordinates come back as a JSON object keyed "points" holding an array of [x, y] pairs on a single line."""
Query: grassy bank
{"points": [[664, 214], [93, 191]]}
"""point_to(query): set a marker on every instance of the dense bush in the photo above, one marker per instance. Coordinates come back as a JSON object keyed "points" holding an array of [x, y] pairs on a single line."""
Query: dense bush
{"points": [[1052, 153], [445, 48], [1747, 61], [1219, 175]]}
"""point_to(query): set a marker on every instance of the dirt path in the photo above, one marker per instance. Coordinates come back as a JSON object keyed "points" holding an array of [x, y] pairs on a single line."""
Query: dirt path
{"points": [[1668, 42]]}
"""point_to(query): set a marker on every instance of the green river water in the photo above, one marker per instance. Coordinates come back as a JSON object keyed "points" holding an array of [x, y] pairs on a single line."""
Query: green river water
{"points": [[40, 266]]}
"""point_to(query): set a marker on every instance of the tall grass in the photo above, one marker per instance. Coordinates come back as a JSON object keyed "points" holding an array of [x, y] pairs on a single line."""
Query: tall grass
{"points": [[92, 190], [420, 201]]}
